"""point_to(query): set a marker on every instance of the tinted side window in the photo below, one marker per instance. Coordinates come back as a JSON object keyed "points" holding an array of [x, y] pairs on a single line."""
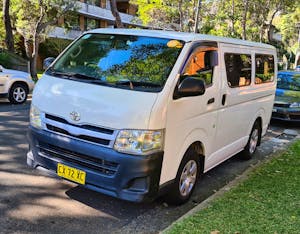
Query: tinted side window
{"points": [[200, 64], [238, 69], [264, 68]]}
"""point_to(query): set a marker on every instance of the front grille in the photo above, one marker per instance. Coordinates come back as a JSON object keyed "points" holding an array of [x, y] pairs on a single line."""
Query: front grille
{"points": [[89, 133], [82, 137], [290, 116], [87, 127], [295, 116], [279, 115], [286, 105], [95, 164]]}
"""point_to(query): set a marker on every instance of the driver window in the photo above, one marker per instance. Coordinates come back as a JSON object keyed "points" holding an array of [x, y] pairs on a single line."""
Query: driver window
{"points": [[200, 64]]}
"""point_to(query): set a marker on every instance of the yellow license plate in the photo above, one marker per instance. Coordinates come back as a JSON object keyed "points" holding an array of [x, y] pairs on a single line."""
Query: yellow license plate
{"points": [[71, 173]]}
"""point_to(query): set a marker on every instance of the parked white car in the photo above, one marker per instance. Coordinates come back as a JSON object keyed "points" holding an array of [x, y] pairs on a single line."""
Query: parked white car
{"points": [[15, 85]]}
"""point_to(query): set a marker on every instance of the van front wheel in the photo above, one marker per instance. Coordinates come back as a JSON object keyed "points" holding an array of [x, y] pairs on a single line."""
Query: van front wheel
{"points": [[186, 179], [253, 142]]}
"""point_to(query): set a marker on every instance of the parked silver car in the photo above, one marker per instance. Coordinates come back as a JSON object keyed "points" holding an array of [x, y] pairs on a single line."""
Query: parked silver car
{"points": [[15, 85]]}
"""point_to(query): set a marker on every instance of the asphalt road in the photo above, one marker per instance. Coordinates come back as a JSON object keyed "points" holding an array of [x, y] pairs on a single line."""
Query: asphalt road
{"points": [[31, 202]]}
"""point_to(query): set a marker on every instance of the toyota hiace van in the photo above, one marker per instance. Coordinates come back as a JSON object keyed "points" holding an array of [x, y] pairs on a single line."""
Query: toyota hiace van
{"points": [[138, 113]]}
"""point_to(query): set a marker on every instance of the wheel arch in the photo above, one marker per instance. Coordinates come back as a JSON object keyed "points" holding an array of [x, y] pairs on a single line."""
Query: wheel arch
{"points": [[14, 82], [258, 120], [200, 150]]}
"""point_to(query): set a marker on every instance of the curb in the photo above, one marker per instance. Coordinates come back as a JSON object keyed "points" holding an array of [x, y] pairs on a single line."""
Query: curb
{"points": [[232, 184]]}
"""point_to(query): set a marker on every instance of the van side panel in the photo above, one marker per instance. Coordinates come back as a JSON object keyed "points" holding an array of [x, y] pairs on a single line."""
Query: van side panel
{"points": [[242, 107], [188, 120]]}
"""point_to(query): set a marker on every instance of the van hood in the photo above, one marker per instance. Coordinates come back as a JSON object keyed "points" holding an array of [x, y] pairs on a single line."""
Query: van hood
{"points": [[97, 105]]}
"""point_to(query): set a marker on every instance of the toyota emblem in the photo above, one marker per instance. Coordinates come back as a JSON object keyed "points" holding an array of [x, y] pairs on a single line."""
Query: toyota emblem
{"points": [[75, 116]]}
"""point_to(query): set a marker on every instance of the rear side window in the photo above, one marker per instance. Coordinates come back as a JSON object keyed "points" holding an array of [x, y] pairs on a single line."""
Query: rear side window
{"points": [[264, 68], [238, 69]]}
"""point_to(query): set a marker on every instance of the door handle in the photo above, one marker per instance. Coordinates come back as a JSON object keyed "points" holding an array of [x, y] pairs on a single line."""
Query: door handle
{"points": [[210, 101], [223, 99]]}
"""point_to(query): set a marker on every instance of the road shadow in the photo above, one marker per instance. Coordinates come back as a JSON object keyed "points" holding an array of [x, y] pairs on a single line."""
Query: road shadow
{"points": [[33, 203], [6, 106]]}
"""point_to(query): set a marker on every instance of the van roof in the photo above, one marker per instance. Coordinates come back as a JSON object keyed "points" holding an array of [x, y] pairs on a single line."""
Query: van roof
{"points": [[187, 37]]}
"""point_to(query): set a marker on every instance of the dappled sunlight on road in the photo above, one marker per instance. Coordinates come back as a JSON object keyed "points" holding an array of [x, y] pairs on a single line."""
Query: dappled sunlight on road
{"points": [[31, 202]]}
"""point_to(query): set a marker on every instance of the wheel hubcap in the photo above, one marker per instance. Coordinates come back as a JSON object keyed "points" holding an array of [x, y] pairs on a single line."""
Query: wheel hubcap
{"points": [[19, 94], [253, 141], [188, 178]]}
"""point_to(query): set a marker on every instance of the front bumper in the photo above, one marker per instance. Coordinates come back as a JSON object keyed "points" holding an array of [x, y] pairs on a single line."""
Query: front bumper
{"points": [[286, 114], [3, 95], [129, 177]]}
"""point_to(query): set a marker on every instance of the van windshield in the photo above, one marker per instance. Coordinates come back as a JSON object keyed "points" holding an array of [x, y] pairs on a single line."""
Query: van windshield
{"points": [[288, 81], [121, 61]]}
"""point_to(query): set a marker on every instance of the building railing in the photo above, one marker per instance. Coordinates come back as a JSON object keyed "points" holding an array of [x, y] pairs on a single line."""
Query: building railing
{"points": [[105, 14]]}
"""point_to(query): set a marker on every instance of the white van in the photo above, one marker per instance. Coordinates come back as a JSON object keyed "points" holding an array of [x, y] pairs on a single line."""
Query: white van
{"points": [[137, 113]]}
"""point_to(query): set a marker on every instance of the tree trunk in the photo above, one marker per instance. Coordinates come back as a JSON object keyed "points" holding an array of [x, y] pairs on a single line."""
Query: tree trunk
{"points": [[261, 33], [270, 26], [33, 62], [9, 38], [199, 4], [180, 15], [233, 18], [244, 21], [115, 13]]}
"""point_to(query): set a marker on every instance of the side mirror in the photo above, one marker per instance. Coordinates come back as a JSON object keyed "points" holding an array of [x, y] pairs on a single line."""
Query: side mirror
{"points": [[47, 62], [190, 87]]}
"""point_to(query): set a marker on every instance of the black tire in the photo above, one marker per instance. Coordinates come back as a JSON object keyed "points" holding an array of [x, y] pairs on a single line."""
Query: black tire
{"points": [[175, 196], [18, 93], [253, 142]]}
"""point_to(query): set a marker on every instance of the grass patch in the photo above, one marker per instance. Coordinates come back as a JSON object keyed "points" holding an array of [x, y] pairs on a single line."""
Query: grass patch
{"points": [[267, 202]]}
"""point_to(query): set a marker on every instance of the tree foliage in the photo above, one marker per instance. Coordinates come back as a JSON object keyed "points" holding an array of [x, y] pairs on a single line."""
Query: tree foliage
{"points": [[252, 20], [32, 20], [243, 19]]}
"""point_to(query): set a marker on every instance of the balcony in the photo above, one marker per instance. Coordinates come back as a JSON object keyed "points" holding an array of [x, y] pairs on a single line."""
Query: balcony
{"points": [[62, 33], [95, 12], [105, 14]]}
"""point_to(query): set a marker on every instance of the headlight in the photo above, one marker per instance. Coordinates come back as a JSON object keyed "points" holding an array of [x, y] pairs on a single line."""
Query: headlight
{"points": [[35, 117], [139, 141], [295, 105]]}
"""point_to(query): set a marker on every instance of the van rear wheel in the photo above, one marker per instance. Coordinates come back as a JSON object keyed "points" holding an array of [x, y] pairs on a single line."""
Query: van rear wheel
{"points": [[253, 142], [185, 180]]}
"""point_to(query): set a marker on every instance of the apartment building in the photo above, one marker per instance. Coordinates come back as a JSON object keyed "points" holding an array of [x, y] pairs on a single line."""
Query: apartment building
{"points": [[94, 14], [90, 14]]}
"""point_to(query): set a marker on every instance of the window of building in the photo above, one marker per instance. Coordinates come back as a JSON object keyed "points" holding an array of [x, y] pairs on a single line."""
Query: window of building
{"points": [[93, 2], [200, 64], [91, 23], [238, 69], [72, 21], [264, 68]]}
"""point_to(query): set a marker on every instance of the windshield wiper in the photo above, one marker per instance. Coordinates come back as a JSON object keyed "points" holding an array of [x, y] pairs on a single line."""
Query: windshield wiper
{"points": [[145, 84], [79, 77], [72, 75], [133, 84], [125, 82]]}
